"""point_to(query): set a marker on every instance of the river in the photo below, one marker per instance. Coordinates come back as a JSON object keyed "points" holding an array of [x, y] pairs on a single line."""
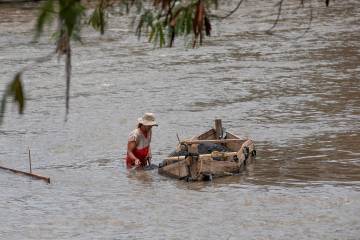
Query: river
{"points": [[297, 96]]}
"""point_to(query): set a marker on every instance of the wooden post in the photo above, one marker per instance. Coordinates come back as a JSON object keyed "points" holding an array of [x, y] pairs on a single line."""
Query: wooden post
{"points": [[30, 161], [218, 128]]}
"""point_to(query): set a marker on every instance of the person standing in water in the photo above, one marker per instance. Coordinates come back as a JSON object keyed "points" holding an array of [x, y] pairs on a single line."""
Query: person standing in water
{"points": [[138, 149]]}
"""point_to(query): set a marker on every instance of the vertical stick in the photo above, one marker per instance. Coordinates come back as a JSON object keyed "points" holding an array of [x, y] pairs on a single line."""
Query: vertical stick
{"points": [[218, 128], [30, 160], [177, 135]]}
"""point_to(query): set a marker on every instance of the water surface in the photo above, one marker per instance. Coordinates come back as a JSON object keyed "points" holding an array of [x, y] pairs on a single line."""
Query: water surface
{"points": [[297, 97]]}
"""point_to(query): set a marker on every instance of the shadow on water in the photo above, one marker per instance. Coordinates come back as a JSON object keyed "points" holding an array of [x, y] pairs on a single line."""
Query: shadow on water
{"points": [[143, 177]]}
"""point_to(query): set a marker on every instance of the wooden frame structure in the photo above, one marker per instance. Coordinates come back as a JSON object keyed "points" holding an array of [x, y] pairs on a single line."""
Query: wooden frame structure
{"points": [[194, 166]]}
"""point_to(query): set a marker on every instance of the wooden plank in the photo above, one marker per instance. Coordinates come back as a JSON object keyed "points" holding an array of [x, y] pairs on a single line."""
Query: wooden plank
{"points": [[226, 154], [193, 149], [214, 141], [47, 179], [233, 146], [176, 170], [219, 167], [206, 135]]}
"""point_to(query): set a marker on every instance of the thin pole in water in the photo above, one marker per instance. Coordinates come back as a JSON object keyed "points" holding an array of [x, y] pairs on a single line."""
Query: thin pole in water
{"points": [[177, 135], [30, 160]]}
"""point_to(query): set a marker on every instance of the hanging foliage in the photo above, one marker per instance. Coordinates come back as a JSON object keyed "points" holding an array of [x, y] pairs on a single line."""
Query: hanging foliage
{"points": [[162, 20], [177, 18], [15, 90], [97, 18], [68, 14]]}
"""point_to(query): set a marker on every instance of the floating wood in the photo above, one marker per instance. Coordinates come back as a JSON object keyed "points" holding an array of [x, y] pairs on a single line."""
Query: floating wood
{"points": [[195, 166], [46, 179]]}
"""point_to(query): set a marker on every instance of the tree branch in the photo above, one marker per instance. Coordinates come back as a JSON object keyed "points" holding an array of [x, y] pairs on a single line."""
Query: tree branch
{"points": [[230, 13], [307, 28], [277, 18]]}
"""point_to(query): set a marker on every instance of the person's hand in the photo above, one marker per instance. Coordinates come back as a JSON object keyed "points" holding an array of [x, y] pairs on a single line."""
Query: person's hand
{"points": [[137, 161]]}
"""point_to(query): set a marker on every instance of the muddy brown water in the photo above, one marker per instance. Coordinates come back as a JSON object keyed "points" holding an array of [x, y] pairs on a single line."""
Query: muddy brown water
{"points": [[297, 98]]}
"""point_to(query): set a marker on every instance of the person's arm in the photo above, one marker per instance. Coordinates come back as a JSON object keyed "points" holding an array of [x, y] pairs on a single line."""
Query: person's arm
{"points": [[131, 147], [149, 157]]}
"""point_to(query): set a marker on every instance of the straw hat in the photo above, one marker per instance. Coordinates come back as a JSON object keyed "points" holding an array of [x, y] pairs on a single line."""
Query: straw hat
{"points": [[148, 120]]}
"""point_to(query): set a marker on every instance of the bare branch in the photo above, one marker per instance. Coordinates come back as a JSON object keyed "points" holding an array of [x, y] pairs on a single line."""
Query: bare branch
{"points": [[230, 13], [68, 77], [310, 22], [307, 28], [170, 14], [277, 18]]}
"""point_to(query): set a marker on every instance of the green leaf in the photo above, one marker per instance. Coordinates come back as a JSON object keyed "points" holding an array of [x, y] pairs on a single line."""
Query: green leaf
{"points": [[70, 13], [146, 21], [45, 16], [14, 89], [97, 19], [2, 108], [189, 22], [161, 35], [156, 34], [152, 33]]}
